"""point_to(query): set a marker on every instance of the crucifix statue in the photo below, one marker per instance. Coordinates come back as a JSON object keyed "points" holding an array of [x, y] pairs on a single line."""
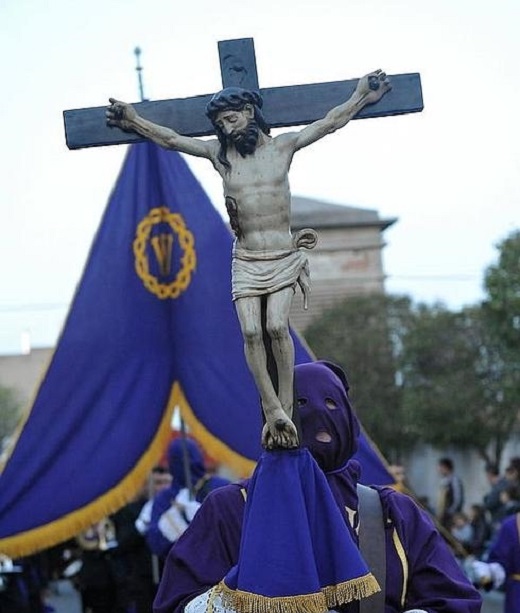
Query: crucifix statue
{"points": [[268, 262]]}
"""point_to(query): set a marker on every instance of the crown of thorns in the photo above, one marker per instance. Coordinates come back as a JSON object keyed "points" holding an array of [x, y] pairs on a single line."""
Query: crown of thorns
{"points": [[232, 98]]}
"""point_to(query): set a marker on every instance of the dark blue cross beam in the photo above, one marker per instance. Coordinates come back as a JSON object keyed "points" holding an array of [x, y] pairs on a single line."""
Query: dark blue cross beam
{"points": [[283, 106]]}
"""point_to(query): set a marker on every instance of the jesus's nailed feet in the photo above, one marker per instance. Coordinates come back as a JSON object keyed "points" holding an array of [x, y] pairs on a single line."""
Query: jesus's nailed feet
{"points": [[280, 433]]}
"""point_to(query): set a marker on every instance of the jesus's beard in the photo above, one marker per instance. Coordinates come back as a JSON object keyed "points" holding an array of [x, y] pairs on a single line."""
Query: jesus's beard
{"points": [[245, 141]]}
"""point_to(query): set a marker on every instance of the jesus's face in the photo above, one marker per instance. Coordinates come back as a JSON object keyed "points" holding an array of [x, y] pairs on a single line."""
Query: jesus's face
{"points": [[239, 128]]}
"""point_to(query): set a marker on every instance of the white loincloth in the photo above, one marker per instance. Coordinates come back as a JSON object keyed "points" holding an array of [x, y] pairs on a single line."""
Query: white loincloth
{"points": [[257, 273]]}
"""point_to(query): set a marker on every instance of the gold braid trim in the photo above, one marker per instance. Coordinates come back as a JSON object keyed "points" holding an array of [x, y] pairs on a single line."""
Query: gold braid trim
{"points": [[404, 563], [319, 602]]}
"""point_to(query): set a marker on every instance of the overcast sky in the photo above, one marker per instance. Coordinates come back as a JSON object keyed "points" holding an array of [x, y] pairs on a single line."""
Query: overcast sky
{"points": [[449, 174]]}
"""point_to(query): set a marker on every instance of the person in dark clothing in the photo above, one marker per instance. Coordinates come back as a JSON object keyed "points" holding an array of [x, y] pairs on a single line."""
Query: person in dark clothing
{"points": [[96, 581], [131, 561], [116, 574], [451, 493], [491, 500], [22, 582], [481, 529], [510, 500]]}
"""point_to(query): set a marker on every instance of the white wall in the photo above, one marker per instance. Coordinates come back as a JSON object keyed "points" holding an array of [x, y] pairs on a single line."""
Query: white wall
{"points": [[421, 470]]}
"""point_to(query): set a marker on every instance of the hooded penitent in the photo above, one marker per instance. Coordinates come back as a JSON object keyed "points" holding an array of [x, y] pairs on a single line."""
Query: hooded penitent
{"points": [[286, 563], [185, 462]]}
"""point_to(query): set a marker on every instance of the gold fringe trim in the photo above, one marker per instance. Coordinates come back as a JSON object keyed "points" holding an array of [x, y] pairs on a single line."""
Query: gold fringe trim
{"points": [[241, 465], [247, 602], [68, 526], [354, 589], [319, 602]]}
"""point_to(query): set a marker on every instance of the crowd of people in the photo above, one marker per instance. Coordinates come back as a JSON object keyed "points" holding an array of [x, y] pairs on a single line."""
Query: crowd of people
{"points": [[476, 526], [472, 526], [122, 576], [489, 533], [485, 536]]}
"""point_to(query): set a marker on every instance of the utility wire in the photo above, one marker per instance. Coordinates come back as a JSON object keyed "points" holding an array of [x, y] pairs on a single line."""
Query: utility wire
{"points": [[55, 306]]}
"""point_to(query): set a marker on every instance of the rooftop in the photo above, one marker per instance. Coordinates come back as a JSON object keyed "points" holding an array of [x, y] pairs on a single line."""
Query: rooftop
{"points": [[319, 214]]}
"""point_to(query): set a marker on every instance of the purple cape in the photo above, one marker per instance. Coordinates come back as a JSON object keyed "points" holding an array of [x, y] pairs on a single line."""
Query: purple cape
{"points": [[428, 577], [505, 550], [285, 560]]}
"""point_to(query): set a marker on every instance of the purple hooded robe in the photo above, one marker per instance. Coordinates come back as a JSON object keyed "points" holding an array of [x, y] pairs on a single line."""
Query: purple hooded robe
{"points": [[421, 570], [178, 450], [505, 550]]}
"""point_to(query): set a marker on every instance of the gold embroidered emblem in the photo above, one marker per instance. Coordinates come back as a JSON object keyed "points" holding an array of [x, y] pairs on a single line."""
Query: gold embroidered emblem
{"points": [[164, 235]]}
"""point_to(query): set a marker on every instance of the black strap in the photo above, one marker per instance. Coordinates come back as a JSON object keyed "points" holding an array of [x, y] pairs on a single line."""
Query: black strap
{"points": [[372, 544]]}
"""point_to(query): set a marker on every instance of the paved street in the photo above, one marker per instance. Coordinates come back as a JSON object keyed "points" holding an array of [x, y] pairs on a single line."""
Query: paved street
{"points": [[64, 598], [67, 601], [493, 603]]}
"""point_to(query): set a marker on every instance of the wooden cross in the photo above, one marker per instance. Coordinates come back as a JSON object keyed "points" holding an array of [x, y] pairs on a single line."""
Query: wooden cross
{"points": [[283, 106]]}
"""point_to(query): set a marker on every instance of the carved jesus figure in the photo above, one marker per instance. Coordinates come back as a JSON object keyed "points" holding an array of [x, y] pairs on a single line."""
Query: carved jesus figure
{"points": [[267, 259]]}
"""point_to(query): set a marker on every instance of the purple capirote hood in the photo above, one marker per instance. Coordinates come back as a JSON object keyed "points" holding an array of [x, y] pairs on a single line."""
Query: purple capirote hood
{"points": [[324, 408]]}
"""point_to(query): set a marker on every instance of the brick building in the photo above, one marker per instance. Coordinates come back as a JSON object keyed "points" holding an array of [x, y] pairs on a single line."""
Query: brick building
{"points": [[347, 259]]}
